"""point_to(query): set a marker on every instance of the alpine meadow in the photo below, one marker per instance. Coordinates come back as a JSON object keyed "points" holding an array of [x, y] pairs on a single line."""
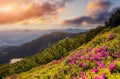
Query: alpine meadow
{"points": [[60, 39]]}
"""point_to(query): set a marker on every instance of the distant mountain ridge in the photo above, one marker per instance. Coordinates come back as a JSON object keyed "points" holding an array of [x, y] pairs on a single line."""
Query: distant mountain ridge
{"points": [[19, 37]]}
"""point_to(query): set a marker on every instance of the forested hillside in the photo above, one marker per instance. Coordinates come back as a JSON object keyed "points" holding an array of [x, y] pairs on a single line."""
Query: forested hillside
{"points": [[35, 46]]}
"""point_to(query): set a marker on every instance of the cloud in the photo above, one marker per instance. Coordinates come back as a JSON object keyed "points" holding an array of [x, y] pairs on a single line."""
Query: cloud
{"points": [[32, 10], [98, 6], [98, 12], [19, 10]]}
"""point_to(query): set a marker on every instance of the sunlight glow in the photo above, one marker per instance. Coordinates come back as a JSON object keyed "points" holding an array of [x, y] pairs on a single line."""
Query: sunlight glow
{"points": [[7, 8]]}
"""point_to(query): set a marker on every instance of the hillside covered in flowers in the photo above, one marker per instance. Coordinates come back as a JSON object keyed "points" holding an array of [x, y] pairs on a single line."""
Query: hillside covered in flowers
{"points": [[98, 59]]}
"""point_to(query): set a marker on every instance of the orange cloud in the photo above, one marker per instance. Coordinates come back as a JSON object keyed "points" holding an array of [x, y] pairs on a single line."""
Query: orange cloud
{"points": [[97, 11], [18, 10], [98, 6]]}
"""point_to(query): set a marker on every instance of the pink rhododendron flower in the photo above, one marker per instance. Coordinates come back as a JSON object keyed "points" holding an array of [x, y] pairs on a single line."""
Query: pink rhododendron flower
{"points": [[82, 73], [56, 61], [74, 77], [83, 77], [97, 50], [117, 54], [111, 36], [98, 56], [82, 64], [101, 64], [106, 54], [112, 66], [72, 62], [92, 58], [100, 77], [83, 57], [95, 70]]}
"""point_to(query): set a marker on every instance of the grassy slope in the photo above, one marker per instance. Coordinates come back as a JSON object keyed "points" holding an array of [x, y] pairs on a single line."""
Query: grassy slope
{"points": [[80, 63]]}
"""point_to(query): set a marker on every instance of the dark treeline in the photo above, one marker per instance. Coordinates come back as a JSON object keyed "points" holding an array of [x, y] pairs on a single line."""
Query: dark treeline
{"points": [[57, 51], [114, 20]]}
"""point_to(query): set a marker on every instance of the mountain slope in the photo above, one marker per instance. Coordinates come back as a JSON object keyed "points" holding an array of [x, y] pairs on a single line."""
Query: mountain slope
{"points": [[98, 59], [59, 50], [5, 49], [35, 46]]}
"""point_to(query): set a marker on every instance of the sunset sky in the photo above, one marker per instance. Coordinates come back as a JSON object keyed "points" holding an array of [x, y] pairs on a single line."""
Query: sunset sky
{"points": [[54, 14]]}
